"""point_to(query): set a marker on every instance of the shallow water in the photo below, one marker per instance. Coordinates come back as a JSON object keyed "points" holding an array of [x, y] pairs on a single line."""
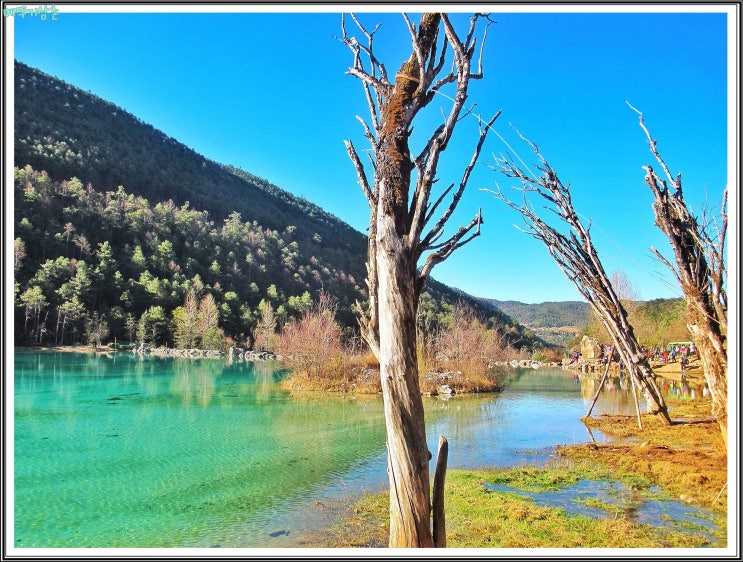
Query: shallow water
{"points": [[639, 506], [125, 451]]}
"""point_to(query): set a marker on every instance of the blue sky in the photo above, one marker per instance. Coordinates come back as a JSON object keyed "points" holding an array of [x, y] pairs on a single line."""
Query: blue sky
{"points": [[268, 92]]}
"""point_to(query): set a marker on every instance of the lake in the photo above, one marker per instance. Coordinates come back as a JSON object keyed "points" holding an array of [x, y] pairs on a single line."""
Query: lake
{"points": [[122, 450]]}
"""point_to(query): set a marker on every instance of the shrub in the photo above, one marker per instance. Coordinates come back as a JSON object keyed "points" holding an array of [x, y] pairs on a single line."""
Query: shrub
{"points": [[311, 345]]}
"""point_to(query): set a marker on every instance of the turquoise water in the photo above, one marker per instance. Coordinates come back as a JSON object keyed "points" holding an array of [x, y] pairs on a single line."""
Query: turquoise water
{"points": [[124, 451], [119, 451]]}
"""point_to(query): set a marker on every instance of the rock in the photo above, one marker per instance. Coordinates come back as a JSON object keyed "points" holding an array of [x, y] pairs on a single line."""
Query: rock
{"points": [[590, 348]]}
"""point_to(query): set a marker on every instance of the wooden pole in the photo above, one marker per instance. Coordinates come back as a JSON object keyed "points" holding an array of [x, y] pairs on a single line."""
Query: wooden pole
{"points": [[439, 516], [603, 381], [637, 402]]}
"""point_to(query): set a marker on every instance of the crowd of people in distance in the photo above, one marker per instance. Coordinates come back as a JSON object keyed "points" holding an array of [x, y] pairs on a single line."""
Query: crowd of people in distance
{"points": [[674, 352], [682, 352]]}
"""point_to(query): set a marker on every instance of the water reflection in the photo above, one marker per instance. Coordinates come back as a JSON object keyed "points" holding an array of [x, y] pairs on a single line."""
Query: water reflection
{"points": [[618, 396], [193, 381], [683, 390]]}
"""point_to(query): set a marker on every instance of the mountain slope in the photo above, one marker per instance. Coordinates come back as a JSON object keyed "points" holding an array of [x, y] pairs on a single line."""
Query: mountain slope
{"points": [[545, 314], [68, 132], [172, 216], [554, 322]]}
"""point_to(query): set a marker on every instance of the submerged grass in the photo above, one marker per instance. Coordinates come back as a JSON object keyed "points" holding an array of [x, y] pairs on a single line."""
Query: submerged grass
{"points": [[686, 462], [480, 518]]}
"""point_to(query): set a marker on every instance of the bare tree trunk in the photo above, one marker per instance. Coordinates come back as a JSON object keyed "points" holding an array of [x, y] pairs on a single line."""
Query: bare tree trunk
{"points": [[439, 480], [700, 271], [407, 450], [396, 242], [715, 368]]}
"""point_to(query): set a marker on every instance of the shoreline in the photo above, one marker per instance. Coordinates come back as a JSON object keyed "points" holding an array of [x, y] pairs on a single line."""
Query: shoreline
{"points": [[671, 371], [67, 349]]}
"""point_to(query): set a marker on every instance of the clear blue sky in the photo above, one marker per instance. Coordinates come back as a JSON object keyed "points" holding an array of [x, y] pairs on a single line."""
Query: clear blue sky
{"points": [[268, 92]]}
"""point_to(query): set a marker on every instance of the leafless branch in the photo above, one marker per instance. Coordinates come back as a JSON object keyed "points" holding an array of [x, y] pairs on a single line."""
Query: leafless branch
{"points": [[421, 218], [665, 262], [375, 82], [422, 63], [454, 243], [361, 174], [654, 149]]}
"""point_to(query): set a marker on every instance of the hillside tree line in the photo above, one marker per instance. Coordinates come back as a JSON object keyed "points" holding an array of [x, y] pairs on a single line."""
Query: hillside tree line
{"points": [[93, 266]]}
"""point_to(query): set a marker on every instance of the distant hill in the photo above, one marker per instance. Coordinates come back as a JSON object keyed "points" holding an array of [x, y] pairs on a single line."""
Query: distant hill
{"points": [[555, 322], [92, 174], [545, 314]]}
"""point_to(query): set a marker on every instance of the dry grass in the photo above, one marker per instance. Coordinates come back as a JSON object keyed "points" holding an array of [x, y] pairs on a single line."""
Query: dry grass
{"points": [[687, 459], [359, 374]]}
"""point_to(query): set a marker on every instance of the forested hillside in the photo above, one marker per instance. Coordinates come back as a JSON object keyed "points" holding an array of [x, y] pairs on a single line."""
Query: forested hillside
{"points": [[546, 314], [71, 133], [121, 230], [554, 322]]}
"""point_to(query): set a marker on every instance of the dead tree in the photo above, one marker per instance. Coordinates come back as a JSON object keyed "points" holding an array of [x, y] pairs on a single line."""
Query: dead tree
{"points": [[700, 271], [398, 238], [576, 255]]}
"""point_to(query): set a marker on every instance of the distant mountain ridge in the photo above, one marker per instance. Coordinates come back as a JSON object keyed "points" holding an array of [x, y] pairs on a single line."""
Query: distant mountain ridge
{"points": [[548, 314], [555, 322], [70, 133]]}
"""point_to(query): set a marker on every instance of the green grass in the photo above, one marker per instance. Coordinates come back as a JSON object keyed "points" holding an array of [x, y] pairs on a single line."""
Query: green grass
{"points": [[480, 518]]}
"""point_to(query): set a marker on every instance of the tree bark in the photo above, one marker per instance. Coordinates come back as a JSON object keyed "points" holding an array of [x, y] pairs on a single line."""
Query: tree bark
{"points": [[396, 243], [407, 449], [700, 272]]}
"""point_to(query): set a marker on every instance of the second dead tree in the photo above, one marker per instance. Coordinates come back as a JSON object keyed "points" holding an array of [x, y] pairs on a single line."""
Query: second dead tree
{"points": [[576, 255]]}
